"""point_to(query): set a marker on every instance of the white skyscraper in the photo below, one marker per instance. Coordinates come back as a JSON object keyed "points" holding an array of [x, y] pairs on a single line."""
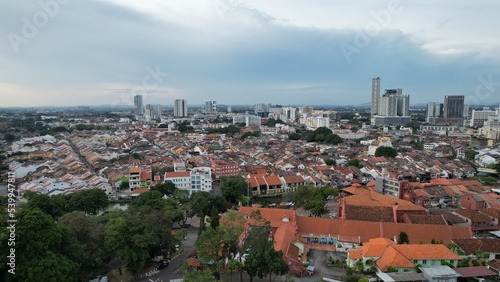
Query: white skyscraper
{"points": [[180, 108], [139, 106], [211, 106], [375, 96]]}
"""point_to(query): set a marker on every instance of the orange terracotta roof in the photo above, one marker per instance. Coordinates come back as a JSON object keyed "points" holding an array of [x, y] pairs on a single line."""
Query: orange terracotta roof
{"points": [[392, 257], [362, 231], [293, 179], [273, 180], [175, 174], [275, 216], [134, 170], [355, 254], [140, 191], [427, 251], [145, 175], [285, 234]]}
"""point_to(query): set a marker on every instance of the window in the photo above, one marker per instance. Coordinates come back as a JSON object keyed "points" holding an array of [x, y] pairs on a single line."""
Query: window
{"points": [[424, 262]]}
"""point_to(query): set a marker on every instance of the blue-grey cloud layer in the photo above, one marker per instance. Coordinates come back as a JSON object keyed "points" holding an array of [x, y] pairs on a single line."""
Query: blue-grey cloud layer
{"points": [[88, 44]]}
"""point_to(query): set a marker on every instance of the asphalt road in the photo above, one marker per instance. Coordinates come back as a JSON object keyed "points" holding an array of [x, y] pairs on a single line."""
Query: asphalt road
{"points": [[174, 270]]}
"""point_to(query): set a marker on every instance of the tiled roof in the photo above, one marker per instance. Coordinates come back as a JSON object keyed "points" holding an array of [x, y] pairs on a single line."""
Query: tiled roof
{"points": [[469, 246], [377, 214], [273, 180], [392, 257], [426, 219], [355, 254], [285, 234], [362, 231], [175, 174], [473, 215], [274, 216], [491, 212], [134, 170], [427, 251], [293, 179]]}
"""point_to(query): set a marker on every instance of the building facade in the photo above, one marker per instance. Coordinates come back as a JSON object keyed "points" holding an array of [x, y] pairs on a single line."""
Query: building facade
{"points": [[249, 120], [454, 106], [375, 96], [139, 105], [211, 106], [196, 180], [180, 108], [223, 168]]}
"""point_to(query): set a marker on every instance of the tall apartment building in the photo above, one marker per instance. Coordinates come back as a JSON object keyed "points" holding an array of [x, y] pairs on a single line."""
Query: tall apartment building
{"points": [[434, 110], [249, 120], [211, 106], [290, 113], [261, 110], [479, 117], [157, 111], [393, 108], [139, 105], [454, 106], [305, 110], [317, 122], [375, 96], [180, 108]]}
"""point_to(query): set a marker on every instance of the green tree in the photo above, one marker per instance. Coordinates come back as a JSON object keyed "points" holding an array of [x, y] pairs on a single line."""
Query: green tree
{"points": [[471, 154], [44, 251], [152, 199], [54, 206], [294, 136], [209, 249], [88, 234], [353, 162], [140, 233], [199, 276], [9, 138], [90, 201], [403, 238], [233, 188], [384, 151], [277, 265], [330, 162], [201, 205], [167, 188]]}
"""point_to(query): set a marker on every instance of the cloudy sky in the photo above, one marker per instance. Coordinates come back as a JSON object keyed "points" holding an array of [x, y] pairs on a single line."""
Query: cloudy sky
{"points": [[308, 52]]}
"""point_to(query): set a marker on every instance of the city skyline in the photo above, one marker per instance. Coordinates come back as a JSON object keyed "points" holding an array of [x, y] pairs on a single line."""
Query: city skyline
{"points": [[56, 53]]}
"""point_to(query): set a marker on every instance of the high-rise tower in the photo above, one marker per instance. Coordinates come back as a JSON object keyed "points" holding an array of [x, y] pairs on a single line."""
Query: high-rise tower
{"points": [[139, 106], [375, 96], [180, 108]]}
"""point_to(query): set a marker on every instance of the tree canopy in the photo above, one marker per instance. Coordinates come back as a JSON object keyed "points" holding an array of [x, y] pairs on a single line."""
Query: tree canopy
{"points": [[385, 151], [233, 188]]}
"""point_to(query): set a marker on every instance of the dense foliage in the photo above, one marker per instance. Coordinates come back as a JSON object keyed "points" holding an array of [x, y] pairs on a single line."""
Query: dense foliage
{"points": [[384, 151]]}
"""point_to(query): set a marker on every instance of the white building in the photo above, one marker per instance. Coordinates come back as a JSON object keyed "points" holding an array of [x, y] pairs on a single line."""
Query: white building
{"points": [[181, 179], [210, 106], [479, 117], [317, 122], [180, 108], [139, 106], [196, 180], [491, 127], [249, 120]]}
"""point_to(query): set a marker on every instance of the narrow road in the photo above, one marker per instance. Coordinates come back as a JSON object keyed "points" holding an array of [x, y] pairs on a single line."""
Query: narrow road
{"points": [[174, 270]]}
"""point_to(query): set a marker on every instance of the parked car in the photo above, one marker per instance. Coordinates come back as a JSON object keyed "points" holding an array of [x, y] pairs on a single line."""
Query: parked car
{"points": [[163, 265]]}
